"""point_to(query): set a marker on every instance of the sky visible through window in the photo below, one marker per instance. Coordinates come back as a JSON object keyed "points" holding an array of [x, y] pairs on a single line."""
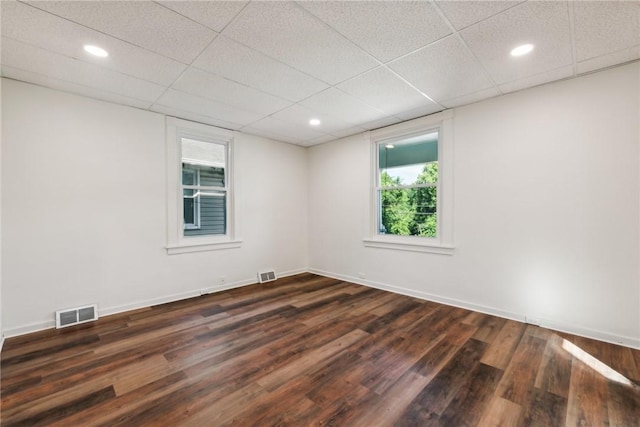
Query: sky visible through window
{"points": [[407, 174]]}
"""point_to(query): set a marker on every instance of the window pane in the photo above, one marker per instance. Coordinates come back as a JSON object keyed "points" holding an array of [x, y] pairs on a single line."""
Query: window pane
{"points": [[188, 175], [206, 157], [408, 175], [212, 177], [409, 161], [425, 221], [189, 207], [212, 214], [408, 212]]}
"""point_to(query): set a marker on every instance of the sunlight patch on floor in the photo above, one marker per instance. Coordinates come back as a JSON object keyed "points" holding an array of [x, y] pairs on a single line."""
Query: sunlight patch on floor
{"points": [[595, 364]]}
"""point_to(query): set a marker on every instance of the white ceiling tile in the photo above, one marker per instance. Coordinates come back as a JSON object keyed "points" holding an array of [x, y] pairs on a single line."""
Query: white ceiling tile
{"points": [[36, 27], [194, 117], [219, 89], [300, 115], [380, 123], [471, 98], [143, 23], [419, 112], [214, 14], [334, 102], [50, 82], [619, 57], [544, 24], [538, 79], [290, 34], [385, 29], [235, 61], [442, 70], [286, 131], [206, 107], [391, 95], [461, 14], [319, 140], [280, 58], [348, 132], [29, 58], [602, 27], [271, 135]]}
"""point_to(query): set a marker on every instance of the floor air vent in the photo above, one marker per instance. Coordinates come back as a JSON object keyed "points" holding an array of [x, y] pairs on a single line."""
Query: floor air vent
{"points": [[75, 316], [267, 276]]}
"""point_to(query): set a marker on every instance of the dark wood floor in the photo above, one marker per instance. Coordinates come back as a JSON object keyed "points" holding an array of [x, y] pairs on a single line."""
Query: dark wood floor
{"points": [[309, 350]]}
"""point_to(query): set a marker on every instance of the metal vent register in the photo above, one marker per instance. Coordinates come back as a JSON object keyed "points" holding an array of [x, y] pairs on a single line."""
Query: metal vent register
{"points": [[267, 276], [77, 315]]}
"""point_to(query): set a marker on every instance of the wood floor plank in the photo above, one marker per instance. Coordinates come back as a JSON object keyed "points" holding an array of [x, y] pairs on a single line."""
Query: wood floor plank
{"points": [[44, 418], [502, 348], [587, 403], [120, 407], [221, 411], [519, 376], [300, 366], [47, 403], [554, 373], [467, 406], [623, 405], [438, 394], [488, 326], [309, 350], [387, 409], [341, 411], [500, 412], [544, 409]]}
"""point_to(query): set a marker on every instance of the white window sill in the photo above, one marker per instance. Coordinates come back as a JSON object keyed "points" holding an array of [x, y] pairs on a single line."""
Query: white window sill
{"points": [[202, 246], [412, 244]]}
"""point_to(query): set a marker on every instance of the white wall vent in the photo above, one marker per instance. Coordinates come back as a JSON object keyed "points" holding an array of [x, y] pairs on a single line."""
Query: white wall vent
{"points": [[267, 276], [75, 316]]}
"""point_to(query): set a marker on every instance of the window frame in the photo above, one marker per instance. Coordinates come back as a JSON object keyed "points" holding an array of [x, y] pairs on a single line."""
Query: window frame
{"points": [[443, 242], [177, 242]]}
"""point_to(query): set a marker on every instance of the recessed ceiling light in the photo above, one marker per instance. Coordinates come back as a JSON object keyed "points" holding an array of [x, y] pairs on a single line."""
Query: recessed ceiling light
{"points": [[522, 49], [96, 51], [314, 122], [389, 146]]}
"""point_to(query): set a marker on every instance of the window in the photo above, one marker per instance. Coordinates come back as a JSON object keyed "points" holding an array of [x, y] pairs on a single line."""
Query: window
{"points": [[204, 190], [199, 188], [412, 187], [407, 187]]}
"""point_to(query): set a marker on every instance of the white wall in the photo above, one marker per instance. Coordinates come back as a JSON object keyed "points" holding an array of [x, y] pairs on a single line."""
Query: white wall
{"points": [[84, 210], [546, 210]]}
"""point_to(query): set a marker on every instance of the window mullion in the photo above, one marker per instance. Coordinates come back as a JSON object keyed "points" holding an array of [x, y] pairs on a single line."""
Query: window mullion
{"points": [[409, 186]]}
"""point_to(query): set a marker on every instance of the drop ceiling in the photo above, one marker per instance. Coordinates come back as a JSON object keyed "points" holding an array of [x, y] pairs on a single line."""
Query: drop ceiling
{"points": [[267, 68]]}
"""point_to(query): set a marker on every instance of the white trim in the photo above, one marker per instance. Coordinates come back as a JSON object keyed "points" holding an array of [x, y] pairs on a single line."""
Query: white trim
{"points": [[630, 342], [1, 341], [39, 326], [627, 341], [202, 246], [413, 246], [30, 328], [403, 187], [177, 243], [443, 242], [412, 126]]}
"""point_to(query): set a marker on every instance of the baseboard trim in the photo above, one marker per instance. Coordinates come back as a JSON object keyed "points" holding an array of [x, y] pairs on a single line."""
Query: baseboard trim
{"points": [[545, 323], [36, 327]]}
